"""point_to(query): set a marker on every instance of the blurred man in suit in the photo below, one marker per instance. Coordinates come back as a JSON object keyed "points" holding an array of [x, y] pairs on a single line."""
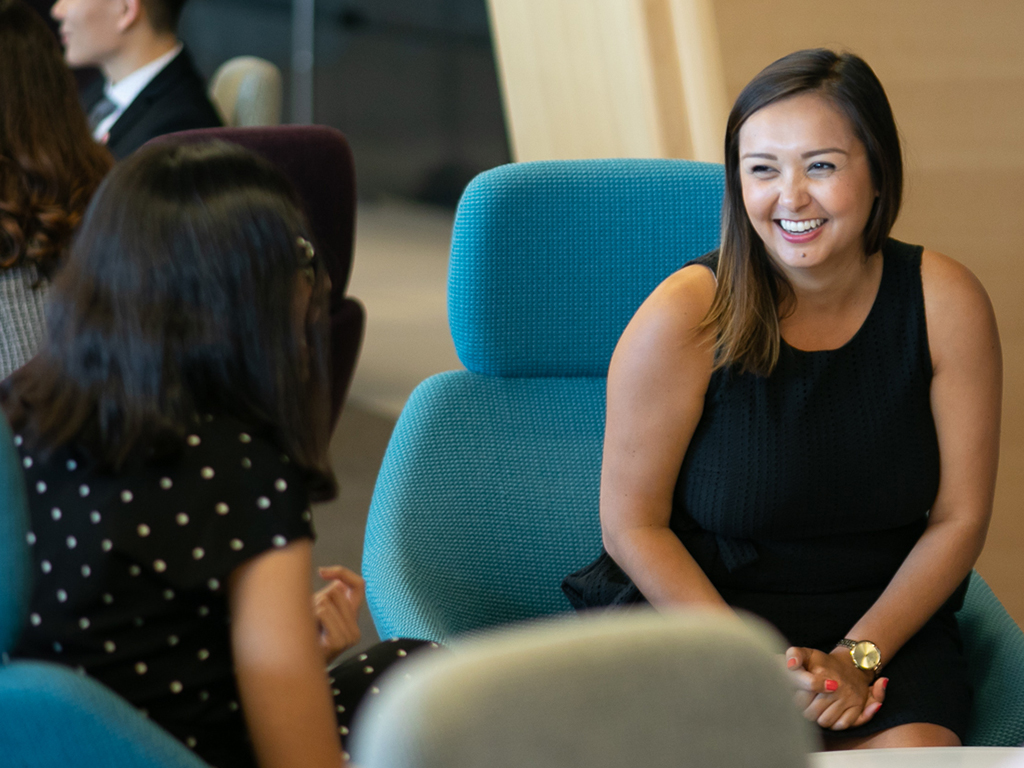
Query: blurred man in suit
{"points": [[150, 85]]}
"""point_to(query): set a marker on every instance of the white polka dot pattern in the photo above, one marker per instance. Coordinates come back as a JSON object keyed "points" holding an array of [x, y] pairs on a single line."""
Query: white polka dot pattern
{"points": [[175, 539]]}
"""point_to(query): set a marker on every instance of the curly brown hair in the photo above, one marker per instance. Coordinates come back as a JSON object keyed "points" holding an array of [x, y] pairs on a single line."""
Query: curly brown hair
{"points": [[49, 164]]}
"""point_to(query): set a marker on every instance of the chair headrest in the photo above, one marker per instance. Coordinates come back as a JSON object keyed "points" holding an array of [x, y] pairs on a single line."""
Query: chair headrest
{"points": [[551, 259]]}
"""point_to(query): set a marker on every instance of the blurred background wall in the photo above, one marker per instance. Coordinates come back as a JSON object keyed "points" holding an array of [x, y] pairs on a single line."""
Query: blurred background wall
{"points": [[411, 83]]}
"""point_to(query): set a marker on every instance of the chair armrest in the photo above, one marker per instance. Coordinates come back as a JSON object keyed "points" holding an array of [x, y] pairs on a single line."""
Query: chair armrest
{"points": [[51, 717], [994, 645]]}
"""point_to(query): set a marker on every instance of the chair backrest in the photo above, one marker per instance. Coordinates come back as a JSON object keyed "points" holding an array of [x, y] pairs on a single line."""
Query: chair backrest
{"points": [[247, 92], [488, 492], [318, 162], [633, 688], [15, 575]]}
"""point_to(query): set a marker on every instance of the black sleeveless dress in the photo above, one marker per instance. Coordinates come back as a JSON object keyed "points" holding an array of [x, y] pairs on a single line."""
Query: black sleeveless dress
{"points": [[802, 493]]}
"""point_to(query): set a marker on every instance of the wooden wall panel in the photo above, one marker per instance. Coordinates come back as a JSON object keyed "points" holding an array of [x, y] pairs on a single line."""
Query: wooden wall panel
{"points": [[609, 78]]}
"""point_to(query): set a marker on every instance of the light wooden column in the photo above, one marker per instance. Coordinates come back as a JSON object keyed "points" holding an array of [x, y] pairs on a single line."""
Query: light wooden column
{"points": [[610, 78]]}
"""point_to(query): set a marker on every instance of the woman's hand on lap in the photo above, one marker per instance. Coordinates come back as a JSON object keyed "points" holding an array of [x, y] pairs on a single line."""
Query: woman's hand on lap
{"points": [[831, 691], [337, 609]]}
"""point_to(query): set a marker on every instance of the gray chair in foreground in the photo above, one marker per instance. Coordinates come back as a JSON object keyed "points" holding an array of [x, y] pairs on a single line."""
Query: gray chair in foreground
{"points": [[626, 688]]}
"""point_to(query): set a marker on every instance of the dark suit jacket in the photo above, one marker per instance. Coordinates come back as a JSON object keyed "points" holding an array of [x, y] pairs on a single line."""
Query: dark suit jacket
{"points": [[174, 100]]}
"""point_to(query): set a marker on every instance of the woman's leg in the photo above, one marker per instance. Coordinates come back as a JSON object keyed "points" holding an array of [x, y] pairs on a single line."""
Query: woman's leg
{"points": [[355, 680], [908, 735]]}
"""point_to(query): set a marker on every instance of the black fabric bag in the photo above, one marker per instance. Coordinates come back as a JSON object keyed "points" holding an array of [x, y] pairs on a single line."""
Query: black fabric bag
{"points": [[602, 584]]}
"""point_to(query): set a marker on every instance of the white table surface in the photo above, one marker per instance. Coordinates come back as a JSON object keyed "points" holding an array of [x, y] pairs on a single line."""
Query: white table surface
{"points": [[921, 757]]}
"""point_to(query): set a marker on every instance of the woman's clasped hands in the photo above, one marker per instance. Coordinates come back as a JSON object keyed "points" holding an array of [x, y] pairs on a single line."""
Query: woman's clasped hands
{"points": [[337, 609], [831, 691]]}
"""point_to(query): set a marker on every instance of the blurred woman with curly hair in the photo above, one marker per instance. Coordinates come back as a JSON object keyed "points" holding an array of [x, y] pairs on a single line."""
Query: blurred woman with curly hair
{"points": [[49, 168]]}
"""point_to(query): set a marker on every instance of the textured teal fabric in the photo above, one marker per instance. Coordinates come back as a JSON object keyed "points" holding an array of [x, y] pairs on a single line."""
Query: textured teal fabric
{"points": [[51, 717], [551, 259], [995, 653], [14, 565], [487, 497], [488, 493]]}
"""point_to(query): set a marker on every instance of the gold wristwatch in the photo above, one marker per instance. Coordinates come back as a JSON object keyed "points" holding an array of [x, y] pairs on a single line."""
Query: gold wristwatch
{"points": [[864, 653]]}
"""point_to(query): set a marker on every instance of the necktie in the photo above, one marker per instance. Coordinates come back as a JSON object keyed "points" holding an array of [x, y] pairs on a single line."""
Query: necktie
{"points": [[101, 110]]}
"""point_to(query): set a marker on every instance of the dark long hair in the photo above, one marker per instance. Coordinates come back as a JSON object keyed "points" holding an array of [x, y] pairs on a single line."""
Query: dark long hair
{"points": [[751, 291], [49, 164], [178, 299]]}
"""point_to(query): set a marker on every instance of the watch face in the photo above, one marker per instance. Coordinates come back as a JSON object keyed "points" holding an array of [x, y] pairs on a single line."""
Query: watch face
{"points": [[866, 655]]}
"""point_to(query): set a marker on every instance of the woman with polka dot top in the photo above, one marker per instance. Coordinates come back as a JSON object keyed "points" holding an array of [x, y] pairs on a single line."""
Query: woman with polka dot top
{"points": [[173, 431]]}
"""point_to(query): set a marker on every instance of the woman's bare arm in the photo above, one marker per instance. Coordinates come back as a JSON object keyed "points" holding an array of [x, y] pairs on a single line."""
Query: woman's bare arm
{"points": [[966, 398], [966, 395], [656, 384], [278, 662]]}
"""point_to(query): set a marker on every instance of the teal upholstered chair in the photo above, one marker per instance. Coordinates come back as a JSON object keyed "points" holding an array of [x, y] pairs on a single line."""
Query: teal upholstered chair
{"points": [[488, 494], [51, 717]]}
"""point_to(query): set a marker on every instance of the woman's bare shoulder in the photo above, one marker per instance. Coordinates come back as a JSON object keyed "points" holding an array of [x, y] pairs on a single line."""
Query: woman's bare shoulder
{"points": [[950, 286], [682, 300], [665, 334], [957, 306]]}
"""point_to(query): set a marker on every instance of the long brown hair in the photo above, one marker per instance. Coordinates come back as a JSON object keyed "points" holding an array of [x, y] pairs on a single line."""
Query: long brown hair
{"points": [[752, 292], [177, 300], [49, 164]]}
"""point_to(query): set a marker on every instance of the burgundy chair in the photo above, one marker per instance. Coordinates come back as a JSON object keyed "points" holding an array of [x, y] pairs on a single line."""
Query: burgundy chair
{"points": [[318, 162]]}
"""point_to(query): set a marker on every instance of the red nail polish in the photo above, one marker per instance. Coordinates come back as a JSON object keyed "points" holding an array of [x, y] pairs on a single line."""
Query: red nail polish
{"points": [[831, 685], [885, 683], [791, 663]]}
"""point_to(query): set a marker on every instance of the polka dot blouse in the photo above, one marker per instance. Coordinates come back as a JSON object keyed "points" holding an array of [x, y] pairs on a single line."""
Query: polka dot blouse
{"points": [[132, 569]]}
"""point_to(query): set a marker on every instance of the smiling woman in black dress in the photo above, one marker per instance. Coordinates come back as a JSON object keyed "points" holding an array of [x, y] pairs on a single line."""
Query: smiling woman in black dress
{"points": [[805, 423]]}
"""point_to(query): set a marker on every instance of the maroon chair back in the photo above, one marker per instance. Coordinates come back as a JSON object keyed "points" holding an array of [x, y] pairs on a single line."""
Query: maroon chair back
{"points": [[318, 162]]}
